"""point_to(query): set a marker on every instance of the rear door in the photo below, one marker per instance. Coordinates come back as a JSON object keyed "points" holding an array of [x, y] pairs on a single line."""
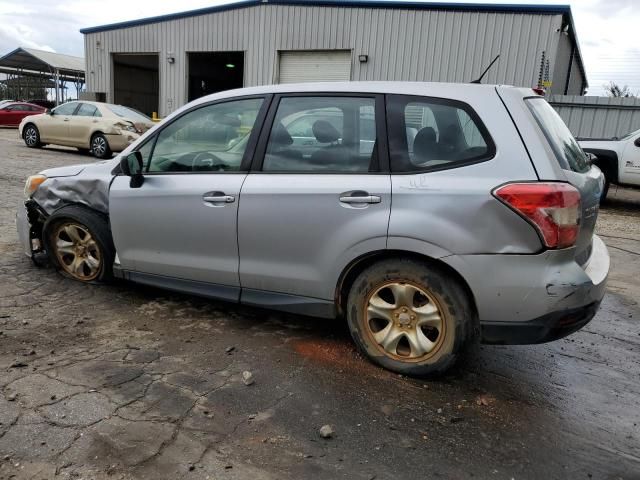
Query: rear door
{"points": [[306, 213], [81, 124], [557, 156]]}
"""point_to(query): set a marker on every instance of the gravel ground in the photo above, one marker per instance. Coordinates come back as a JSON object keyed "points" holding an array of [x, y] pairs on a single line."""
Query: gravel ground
{"points": [[127, 382]]}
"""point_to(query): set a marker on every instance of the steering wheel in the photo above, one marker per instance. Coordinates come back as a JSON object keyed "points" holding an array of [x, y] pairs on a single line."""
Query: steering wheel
{"points": [[207, 161]]}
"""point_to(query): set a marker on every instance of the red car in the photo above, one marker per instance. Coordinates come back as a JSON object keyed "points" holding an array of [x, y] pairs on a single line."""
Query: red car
{"points": [[11, 114]]}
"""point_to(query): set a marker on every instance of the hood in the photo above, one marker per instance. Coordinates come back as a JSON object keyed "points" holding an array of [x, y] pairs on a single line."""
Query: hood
{"points": [[68, 171]]}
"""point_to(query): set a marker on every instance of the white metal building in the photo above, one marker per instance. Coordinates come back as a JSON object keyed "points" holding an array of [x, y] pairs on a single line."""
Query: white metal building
{"points": [[160, 63]]}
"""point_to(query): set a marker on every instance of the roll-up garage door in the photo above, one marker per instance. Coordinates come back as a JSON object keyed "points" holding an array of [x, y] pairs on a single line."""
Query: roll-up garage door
{"points": [[315, 66]]}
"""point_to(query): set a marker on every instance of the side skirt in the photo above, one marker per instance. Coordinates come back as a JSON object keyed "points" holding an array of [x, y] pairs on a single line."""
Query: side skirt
{"points": [[313, 307]]}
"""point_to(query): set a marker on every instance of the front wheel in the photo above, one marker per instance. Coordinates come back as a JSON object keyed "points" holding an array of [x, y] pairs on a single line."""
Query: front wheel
{"points": [[79, 243], [100, 146], [31, 136], [410, 317]]}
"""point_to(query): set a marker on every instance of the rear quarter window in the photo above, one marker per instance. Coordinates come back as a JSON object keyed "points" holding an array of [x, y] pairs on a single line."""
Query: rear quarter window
{"points": [[569, 154], [435, 134]]}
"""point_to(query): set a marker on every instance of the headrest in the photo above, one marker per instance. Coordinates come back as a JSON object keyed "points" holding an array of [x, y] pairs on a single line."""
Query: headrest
{"points": [[425, 142], [325, 132], [280, 136]]}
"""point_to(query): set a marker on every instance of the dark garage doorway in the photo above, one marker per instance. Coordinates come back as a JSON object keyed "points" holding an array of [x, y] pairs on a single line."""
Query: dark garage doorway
{"points": [[211, 72], [136, 81]]}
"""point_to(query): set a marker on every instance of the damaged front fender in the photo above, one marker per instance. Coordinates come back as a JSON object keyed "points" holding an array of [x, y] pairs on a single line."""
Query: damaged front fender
{"points": [[90, 187]]}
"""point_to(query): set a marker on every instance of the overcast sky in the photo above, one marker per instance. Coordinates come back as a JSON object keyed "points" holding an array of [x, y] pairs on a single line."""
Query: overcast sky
{"points": [[607, 29]]}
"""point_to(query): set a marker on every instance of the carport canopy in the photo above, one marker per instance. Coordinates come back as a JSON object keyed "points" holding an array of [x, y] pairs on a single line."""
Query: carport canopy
{"points": [[29, 62]]}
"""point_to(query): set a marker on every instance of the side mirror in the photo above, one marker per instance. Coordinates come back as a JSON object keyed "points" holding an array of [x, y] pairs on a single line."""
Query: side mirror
{"points": [[131, 166], [637, 142]]}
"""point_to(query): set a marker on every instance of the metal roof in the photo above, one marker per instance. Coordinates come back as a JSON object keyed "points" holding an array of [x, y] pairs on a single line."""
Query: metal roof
{"points": [[403, 5], [41, 61]]}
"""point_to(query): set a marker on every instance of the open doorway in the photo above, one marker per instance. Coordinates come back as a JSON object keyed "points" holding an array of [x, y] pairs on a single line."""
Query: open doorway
{"points": [[211, 72], [136, 81]]}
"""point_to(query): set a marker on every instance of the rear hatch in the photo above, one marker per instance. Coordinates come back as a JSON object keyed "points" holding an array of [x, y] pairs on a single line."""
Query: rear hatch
{"points": [[557, 156]]}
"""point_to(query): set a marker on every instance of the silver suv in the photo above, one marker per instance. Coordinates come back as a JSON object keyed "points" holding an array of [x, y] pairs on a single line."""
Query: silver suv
{"points": [[428, 215]]}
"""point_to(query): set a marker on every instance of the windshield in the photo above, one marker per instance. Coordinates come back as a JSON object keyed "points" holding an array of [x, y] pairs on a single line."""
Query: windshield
{"points": [[569, 154], [129, 113]]}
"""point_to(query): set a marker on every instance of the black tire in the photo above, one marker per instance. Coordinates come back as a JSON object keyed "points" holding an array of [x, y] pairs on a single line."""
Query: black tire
{"points": [[605, 191], [31, 136], [100, 146], [457, 320], [102, 247]]}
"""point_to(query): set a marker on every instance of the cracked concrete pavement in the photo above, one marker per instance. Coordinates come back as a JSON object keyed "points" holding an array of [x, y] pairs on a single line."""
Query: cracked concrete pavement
{"points": [[129, 382]]}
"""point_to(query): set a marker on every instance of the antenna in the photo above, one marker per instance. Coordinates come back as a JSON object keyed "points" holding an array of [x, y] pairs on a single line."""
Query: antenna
{"points": [[479, 80]]}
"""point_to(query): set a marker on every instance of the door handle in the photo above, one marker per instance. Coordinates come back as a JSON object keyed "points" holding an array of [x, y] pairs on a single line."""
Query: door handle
{"points": [[218, 197], [359, 197], [66, 120]]}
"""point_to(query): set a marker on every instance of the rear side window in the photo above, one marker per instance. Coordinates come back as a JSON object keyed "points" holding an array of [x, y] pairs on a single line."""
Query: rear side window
{"points": [[434, 134], [569, 154], [86, 110], [322, 134]]}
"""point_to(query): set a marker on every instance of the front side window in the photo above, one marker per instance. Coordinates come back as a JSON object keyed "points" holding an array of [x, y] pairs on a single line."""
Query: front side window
{"points": [[212, 138], [322, 134], [86, 110], [432, 134], [66, 109]]}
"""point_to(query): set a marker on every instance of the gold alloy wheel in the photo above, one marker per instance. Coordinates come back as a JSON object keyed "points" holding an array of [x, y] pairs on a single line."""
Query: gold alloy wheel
{"points": [[404, 321], [77, 252]]}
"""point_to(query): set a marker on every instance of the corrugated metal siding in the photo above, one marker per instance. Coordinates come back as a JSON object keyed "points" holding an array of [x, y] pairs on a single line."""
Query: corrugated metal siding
{"points": [[421, 45], [598, 117]]}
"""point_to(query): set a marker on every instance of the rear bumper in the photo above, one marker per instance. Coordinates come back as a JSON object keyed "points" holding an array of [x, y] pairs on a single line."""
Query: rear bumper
{"points": [[118, 142], [540, 330], [523, 299]]}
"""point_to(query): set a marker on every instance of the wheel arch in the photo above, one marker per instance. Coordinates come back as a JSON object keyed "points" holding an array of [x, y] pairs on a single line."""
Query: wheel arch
{"points": [[359, 264], [24, 127], [607, 161], [54, 215]]}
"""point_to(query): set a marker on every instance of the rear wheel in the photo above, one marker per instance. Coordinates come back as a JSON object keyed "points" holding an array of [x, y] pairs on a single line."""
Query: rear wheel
{"points": [[31, 136], [80, 244], [409, 317], [100, 146]]}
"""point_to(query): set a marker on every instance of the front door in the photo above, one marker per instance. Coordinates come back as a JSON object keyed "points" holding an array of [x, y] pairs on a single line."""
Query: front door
{"points": [[180, 227], [54, 127], [631, 161], [306, 213]]}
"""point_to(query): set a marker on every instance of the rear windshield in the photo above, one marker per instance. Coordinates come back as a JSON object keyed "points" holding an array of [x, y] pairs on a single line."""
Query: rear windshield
{"points": [[129, 113], [569, 154]]}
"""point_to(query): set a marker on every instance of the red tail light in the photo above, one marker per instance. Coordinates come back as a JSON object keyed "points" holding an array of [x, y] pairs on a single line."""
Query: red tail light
{"points": [[552, 208]]}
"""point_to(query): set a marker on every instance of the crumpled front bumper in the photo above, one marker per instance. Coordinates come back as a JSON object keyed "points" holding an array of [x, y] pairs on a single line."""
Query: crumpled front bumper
{"points": [[24, 229]]}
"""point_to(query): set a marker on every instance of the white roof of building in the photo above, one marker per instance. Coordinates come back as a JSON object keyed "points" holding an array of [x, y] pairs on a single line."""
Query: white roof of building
{"points": [[40, 60]]}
